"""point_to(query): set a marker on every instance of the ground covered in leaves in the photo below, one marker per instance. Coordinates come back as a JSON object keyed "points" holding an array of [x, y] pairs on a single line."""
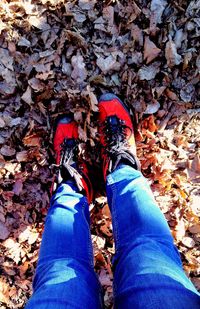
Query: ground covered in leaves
{"points": [[58, 56]]}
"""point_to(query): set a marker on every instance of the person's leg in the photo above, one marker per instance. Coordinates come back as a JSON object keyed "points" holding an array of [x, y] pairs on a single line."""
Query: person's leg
{"points": [[147, 267], [65, 276]]}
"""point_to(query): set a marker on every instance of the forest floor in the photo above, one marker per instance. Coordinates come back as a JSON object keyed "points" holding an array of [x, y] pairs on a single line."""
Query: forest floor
{"points": [[58, 56]]}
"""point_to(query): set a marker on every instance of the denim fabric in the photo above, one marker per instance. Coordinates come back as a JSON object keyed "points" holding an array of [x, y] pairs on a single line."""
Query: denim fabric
{"points": [[65, 276], [147, 268]]}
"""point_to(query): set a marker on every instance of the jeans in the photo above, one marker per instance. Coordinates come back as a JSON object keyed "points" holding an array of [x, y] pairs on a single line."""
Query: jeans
{"points": [[147, 267]]}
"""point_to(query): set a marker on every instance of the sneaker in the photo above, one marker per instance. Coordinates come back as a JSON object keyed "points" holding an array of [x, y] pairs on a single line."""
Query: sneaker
{"points": [[70, 166], [116, 134]]}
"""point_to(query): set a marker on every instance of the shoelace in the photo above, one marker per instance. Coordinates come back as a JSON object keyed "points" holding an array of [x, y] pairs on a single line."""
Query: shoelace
{"points": [[116, 141], [67, 167], [114, 131]]}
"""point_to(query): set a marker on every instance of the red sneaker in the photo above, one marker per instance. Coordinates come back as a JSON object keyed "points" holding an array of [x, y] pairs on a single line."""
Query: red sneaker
{"points": [[116, 134], [67, 156]]}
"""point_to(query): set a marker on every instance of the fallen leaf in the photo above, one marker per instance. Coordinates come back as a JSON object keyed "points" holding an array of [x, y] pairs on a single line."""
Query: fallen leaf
{"points": [[4, 232], [157, 8], [187, 93], [27, 96], [32, 140], [86, 5], [194, 229], [7, 151], [188, 242], [18, 186], [79, 72], [151, 51], [152, 108], [173, 58], [93, 100], [106, 64], [36, 84], [137, 34], [149, 72], [39, 22], [22, 156]]}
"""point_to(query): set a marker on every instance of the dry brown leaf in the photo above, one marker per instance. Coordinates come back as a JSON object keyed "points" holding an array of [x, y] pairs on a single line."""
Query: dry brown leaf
{"points": [[4, 232], [194, 229], [157, 8], [27, 96], [106, 64], [93, 100], [18, 186], [137, 34], [36, 84], [152, 108], [7, 151], [4, 291], [151, 51], [39, 22], [86, 5], [79, 72], [173, 58], [188, 242], [32, 140], [82, 134], [171, 95], [22, 156], [149, 72]]}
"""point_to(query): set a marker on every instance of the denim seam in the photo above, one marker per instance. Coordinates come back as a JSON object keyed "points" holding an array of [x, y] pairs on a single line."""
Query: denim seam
{"points": [[89, 241], [114, 217]]}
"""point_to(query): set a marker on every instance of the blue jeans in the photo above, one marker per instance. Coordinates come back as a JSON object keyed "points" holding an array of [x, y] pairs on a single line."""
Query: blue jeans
{"points": [[147, 267]]}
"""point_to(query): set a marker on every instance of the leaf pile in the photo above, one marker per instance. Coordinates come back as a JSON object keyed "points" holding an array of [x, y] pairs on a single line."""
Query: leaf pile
{"points": [[58, 56]]}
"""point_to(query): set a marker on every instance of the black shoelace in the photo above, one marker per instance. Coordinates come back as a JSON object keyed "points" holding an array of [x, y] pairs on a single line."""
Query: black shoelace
{"points": [[67, 169], [117, 147]]}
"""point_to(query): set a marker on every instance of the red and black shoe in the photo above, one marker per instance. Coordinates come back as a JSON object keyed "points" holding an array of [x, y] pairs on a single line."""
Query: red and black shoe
{"points": [[116, 134], [68, 161]]}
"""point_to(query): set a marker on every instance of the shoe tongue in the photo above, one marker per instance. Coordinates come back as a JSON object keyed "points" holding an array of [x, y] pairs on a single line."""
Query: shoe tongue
{"points": [[70, 142], [113, 121]]}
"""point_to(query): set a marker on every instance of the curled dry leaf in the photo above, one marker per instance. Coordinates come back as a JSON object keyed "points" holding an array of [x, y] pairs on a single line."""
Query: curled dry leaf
{"points": [[86, 5], [171, 95], [27, 96], [22, 156], [173, 58], [39, 22], [79, 72], [82, 134], [149, 72], [104, 278], [2, 122], [194, 229], [152, 108], [188, 242], [36, 84], [196, 163], [93, 100], [76, 38], [18, 186], [137, 34], [157, 8], [187, 93], [4, 232], [106, 64], [151, 51], [7, 151], [32, 140]]}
